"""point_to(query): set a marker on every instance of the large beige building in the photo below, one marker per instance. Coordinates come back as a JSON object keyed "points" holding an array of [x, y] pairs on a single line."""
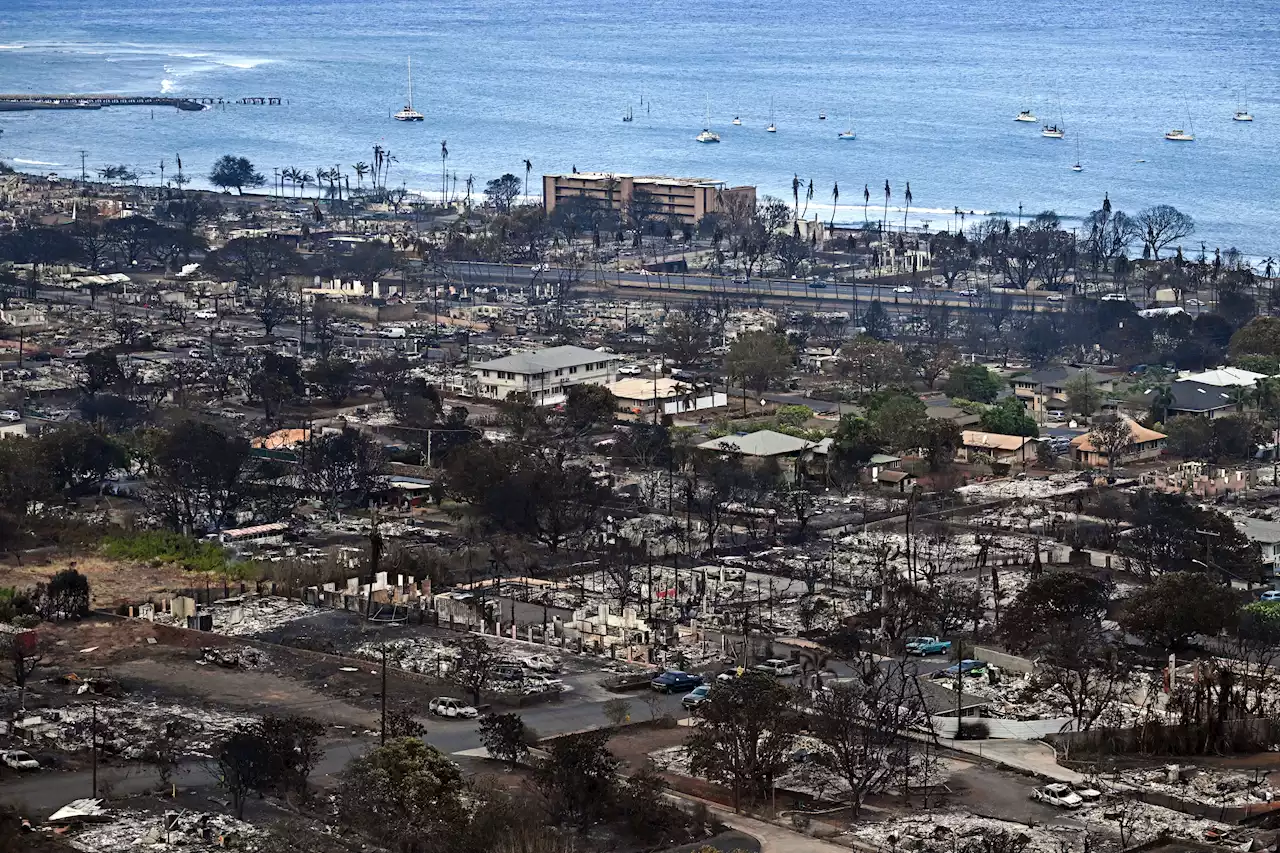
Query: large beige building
{"points": [[685, 199]]}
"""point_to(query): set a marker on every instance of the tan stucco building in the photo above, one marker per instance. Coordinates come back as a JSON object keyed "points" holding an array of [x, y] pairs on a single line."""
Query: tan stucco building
{"points": [[685, 199]]}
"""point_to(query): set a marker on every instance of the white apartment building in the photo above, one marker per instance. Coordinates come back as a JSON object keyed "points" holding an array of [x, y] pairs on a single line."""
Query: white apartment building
{"points": [[544, 375]]}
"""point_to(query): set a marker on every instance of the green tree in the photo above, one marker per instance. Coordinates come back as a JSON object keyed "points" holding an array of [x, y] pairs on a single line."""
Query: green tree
{"points": [[745, 732], [1178, 606], [1054, 607], [578, 777], [335, 377], [1190, 437], [940, 439], [854, 443], [230, 171], [1260, 337], [501, 192], [897, 418], [1009, 417], [757, 359], [1083, 395], [505, 736], [403, 794], [973, 382], [588, 407]]}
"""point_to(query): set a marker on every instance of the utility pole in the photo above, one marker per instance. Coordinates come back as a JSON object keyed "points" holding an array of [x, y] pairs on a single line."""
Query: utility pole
{"points": [[84, 175], [384, 696], [93, 736]]}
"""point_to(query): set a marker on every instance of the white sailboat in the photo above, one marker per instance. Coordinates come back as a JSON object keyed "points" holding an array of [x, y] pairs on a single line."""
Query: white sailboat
{"points": [[707, 135], [409, 113], [1077, 167], [772, 128], [847, 134], [737, 121], [1026, 115], [1052, 131], [1180, 135], [1243, 114]]}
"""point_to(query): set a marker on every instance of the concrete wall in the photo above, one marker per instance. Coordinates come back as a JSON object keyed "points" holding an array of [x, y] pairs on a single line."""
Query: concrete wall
{"points": [[1003, 729], [1004, 660]]}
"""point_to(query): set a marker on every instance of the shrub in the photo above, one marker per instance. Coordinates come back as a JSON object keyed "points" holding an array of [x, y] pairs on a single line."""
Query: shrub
{"points": [[973, 731]]}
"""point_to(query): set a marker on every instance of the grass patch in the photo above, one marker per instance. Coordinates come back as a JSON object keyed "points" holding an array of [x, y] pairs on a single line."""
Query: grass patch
{"points": [[163, 546]]}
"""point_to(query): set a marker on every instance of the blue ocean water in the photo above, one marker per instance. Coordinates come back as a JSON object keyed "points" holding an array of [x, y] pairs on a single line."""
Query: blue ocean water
{"points": [[930, 87]]}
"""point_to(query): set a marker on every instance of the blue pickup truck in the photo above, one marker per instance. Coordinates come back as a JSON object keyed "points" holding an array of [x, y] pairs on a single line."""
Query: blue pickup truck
{"points": [[675, 680], [927, 646]]}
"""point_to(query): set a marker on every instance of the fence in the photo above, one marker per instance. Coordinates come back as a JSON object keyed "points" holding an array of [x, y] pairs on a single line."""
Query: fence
{"points": [[1249, 734]]}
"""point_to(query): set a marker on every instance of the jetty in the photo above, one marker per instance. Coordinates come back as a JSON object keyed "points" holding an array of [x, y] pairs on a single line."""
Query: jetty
{"points": [[96, 102]]}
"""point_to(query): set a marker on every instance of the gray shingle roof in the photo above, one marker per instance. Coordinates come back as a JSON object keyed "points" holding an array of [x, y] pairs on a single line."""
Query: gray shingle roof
{"points": [[765, 442], [539, 361], [1192, 396]]}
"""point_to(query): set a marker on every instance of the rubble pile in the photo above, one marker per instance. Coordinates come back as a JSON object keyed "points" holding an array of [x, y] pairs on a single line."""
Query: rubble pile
{"points": [[951, 830], [1015, 696], [1204, 785], [250, 615], [128, 831], [241, 657], [1024, 488], [127, 728], [259, 614]]}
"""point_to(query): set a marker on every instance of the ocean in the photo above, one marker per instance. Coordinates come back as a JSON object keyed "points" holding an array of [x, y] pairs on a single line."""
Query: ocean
{"points": [[931, 88]]}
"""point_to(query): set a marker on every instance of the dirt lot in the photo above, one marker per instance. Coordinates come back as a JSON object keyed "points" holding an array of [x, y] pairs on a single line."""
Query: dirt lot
{"points": [[110, 582]]}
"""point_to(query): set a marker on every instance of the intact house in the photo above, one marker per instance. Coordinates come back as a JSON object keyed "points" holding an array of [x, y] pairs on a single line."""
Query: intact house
{"points": [[1144, 445], [790, 452], [544, 376], [1046, 390], [641, 396], [1005, 449], [1266, 535], [1191, 397]]}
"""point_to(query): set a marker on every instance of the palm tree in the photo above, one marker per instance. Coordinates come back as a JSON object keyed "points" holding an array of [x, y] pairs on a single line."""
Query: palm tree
{"points": [[795, 194], [444, 171], [471, 180], [906, 209], [361, 169], [377, 165], [304, 179], [528, 167], [884, 223], [808, 197], [866, 200], [835, 201], [387, 159]]}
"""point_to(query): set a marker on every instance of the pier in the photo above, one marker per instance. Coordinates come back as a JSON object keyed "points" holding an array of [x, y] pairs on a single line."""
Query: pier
{"points": [[96, 102]]}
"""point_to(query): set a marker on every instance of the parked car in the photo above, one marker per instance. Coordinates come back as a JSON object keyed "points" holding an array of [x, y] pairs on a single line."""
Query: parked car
{"points": [[730, 674], [927, 646], [778, 667], [10, 415], [1053, 297], [508, 672], [675, 680], [902, 288], [536, 682], [967, 666], [1194, 303], [541, 663], [696, 697], [1058, 794], [1056, 415], [205, 314], [1270, 595], [1115, 297], [969, 291], [19, 760], [76, 352], [1086, 792], [447, 706]]}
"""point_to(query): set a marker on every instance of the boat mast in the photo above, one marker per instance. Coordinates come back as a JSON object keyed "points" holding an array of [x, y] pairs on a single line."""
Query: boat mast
{"points": [[410, 82]]}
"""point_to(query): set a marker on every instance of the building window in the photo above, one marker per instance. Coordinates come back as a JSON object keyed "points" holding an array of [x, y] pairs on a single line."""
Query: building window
{"points": [[559, 372], [573, 370], [486, 373]]}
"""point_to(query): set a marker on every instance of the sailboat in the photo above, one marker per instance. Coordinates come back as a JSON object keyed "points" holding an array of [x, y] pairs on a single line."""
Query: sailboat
{"points": [[822, 116], [1052, 131], [772, 128], [707, 135], [1026, 115], [737, 122], [629, 117], [1077, 167], [847, 134], [1243, 114], [1180, 135], [409, 113]]}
